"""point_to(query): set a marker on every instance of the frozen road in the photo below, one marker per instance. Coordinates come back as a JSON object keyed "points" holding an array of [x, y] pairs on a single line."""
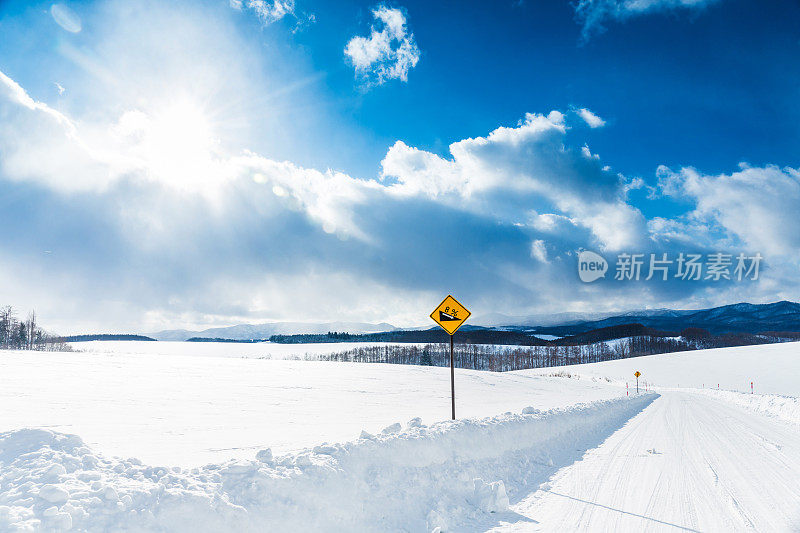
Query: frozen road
{"points": [[685, 463]]}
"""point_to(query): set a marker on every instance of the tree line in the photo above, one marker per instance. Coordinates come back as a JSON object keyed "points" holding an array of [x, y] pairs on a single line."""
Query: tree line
{"points": [[498, 358], [26, 334], [467, 335]]}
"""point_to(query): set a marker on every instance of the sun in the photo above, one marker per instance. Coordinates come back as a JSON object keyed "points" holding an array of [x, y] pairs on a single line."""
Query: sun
{"points": [[181, 145], [174, 145]]}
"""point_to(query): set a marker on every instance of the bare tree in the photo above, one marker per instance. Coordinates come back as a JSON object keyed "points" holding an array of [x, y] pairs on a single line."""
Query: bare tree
{"points": [[7, 326], [31, 329]]}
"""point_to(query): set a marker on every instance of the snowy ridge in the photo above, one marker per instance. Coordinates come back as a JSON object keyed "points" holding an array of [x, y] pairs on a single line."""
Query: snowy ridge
{"points": [[265, 331], [417, 478], [786, 408]]}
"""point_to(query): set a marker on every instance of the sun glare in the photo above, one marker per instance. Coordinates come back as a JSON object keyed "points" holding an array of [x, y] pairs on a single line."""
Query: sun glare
{"points": [[181, 145], [175, 145]]}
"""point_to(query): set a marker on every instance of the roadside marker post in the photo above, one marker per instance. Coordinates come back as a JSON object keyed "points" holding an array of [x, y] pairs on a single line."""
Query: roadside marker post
{"points": [[637, 374], [626, 389], [751, 387], [450, 315]]}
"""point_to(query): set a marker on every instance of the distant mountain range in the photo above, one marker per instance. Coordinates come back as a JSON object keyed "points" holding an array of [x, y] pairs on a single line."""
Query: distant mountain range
{"points": [[265, 331], [781, 316], [737, 318], [498, 320]]}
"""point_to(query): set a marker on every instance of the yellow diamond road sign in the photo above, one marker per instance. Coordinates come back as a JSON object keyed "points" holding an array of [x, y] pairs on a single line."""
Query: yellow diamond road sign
{"points": [[450, 315], [637, 373]]}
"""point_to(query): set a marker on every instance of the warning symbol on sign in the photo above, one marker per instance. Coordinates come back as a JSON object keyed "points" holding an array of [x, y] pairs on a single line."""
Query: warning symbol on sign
{"points": [[444, 317], [450, 315]]}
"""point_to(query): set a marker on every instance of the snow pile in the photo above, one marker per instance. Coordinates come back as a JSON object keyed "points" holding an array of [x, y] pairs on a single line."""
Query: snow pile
{"points": [[413, 478], [782, 407]]}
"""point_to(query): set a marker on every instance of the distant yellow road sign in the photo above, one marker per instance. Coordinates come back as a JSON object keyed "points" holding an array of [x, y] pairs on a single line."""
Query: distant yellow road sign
{"points": [[637, 373], [450, 315]]}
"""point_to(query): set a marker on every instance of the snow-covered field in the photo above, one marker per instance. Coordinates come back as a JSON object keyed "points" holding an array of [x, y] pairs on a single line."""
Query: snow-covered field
{"points": [[254, 350], [187, 410], [530, 451]]}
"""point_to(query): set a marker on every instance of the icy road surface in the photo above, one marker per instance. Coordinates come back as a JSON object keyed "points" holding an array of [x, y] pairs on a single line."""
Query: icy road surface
{"points": [[685, 463]]}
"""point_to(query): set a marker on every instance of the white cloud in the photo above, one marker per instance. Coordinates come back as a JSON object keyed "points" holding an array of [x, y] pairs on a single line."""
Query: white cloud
{"points": [[588, 153], [590, 118], [756, 206], [12, 92], [42, 144], [514, 170], [388, 53], [539, 250], [593, 14], [268, 11], [326, 197]]}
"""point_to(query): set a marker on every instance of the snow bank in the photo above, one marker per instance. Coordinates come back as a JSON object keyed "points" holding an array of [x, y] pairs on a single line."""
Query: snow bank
{"points": [[414, 478], [786, 408]]}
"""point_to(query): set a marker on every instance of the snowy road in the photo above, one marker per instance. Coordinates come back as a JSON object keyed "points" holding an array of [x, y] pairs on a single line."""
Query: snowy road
{"points": [[685, 463]]}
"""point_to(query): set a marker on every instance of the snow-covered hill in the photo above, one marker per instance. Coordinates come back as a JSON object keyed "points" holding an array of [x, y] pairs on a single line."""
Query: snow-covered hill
{"points": [[773, 369]]}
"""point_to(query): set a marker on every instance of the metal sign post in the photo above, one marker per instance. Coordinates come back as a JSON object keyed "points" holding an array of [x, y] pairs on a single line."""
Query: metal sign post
{"points": [[637, 374], [452, 379], [450, 315]]}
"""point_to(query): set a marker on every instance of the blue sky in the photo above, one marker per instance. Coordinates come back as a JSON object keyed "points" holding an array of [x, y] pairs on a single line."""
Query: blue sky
{"points": [[167, 164]]}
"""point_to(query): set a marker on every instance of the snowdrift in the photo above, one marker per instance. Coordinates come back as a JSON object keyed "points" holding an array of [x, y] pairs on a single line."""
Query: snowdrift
{"points": [[414, 478], [786, 408]]}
